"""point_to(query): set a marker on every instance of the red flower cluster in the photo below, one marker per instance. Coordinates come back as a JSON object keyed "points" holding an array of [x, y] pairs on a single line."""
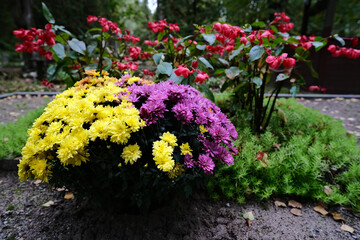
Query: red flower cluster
{"points": [[283, 22], [46, 83], [229, 31], [185, 72], [147, 72], [275, 62], [173, 27], [157, 26], [134, 52], [345, 52], [129, 65], [150, 43], [129, 38], [317, 89], [35, 40], [106, 24]]}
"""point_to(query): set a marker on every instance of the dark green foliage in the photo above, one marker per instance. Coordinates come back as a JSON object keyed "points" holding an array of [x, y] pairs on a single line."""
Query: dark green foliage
{"points": [[13, 135], [305, 152]]}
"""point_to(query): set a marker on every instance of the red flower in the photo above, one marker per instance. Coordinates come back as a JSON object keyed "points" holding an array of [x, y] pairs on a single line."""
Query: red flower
{"points": [[182, 71], [91, 19], [314, 88], [354, 41], [273, 62], [332, 48], [194, 64], [201, 77], [259, 155], [289, 62]]}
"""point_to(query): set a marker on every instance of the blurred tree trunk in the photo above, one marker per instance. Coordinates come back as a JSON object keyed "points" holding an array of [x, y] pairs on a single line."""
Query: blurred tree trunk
{"points": [[22, 12]]}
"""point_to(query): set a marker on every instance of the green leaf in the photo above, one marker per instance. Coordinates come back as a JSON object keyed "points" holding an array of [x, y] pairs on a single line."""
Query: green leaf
{"points": [[51, 70], [157, 58], [59, 50], [72, 55], [219, 71], [318, 45], [226, 85], [249, 215], [232, 72], [210, 38], [281, 77], [205, 62], [236, 52], [108, 63], [77, 46], [259, 24], [175, 78], [182, 40], [160, 36], [201, 47], [255, 53], [336, 36], [165, 68], [247, 28], [223, 61], [207, 92], [274, 28], [257, 81], [47, 14], [62, 29], [294, 90], [312, 70], [91, 48]]}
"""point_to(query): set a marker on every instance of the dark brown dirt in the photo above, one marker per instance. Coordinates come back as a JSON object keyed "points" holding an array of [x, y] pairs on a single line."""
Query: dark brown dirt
{"points": [[22, 215]]}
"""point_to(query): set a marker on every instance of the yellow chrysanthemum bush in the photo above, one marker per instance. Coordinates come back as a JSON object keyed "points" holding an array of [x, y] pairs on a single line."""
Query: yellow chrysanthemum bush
{"points": [[127, 140]]}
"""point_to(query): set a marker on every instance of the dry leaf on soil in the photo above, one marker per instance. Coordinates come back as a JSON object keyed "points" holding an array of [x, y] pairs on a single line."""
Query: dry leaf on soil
{"points": [[249, 218], [37, 182], [69, 195], [296, 212], [338, 216], [294, 204], [280, 204], [48, 204], [321, 210], [347, 228], [327, 190], [60, 189]]}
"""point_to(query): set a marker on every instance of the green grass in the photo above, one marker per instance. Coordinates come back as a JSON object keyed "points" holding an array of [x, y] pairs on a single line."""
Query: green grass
{"points": [[13, 135], [304, 154]]}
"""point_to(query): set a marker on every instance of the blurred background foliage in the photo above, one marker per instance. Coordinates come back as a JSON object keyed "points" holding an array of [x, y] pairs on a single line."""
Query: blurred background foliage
{"points": [[134, 14]]}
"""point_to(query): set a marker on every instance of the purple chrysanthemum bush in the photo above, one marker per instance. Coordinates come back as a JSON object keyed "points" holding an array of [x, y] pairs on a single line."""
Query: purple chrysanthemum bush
{"points": [[128, 140]]}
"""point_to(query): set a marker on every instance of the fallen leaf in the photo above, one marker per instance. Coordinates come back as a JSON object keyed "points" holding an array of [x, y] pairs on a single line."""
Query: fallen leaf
{"points": [[249, 218], [321, 210], [327, 190], [5, 139], [296, 212], [294, 204], [280, 204], [357, 127], [48, 204], [338, 216], [60, 189], [347, 228], [276, 145], [37, 182], [21, 238], [351, 119], [69, 195]]}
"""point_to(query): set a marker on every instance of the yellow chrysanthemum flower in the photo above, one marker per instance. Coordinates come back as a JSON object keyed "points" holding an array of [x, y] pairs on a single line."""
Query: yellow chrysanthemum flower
{"points": [[162, 153], [176, 171], [131, 153], [203, 129], [40, 169], [185, 149], [169, 138]]}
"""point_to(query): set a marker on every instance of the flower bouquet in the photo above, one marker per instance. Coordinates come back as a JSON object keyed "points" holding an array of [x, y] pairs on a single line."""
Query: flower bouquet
{"points": [[127, 140]]}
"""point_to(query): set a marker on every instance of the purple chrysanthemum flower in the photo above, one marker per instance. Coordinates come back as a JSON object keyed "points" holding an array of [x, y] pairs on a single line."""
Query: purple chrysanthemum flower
{"points": [[206, 163], [189, 161]]}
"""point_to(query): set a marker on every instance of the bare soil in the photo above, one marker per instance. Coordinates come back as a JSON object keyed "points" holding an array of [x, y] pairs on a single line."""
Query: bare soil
{"points": [[22, 215]]}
